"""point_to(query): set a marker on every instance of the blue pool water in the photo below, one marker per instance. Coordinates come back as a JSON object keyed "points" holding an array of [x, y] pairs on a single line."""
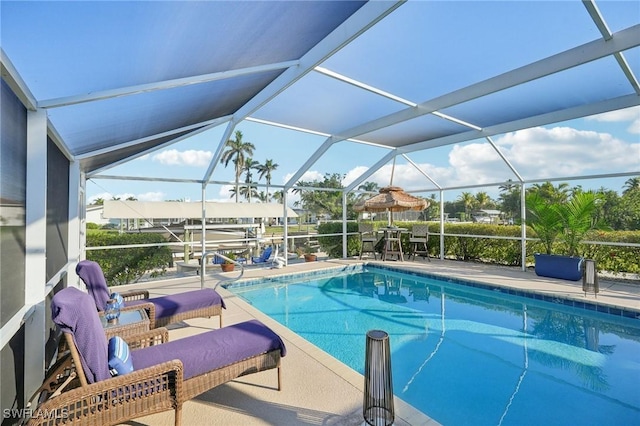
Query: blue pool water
{"points": [[467, 355]]}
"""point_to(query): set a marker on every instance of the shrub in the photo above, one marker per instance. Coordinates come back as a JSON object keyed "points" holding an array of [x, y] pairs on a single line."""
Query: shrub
{"points": [[128, 265]]}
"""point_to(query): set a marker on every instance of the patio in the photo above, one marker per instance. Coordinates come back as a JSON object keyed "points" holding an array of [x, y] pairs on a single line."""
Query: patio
{"points": [[334, 394]]}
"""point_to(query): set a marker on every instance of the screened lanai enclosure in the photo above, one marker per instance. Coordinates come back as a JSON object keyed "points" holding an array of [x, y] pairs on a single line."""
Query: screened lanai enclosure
{"points": [[450, 95]]}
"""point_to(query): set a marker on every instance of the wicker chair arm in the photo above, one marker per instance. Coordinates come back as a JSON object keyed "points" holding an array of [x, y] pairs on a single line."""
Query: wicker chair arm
{"points": [[116, 400], [135, 294], [153, 337]]}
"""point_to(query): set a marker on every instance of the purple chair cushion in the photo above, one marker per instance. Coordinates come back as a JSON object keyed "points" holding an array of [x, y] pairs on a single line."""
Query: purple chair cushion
{"points": [[72, 310], [212, 350], [182, 302], [91, 273]]}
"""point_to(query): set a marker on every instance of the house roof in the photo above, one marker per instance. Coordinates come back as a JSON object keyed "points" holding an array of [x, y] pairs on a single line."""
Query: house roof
{"points": [[120, 79]]}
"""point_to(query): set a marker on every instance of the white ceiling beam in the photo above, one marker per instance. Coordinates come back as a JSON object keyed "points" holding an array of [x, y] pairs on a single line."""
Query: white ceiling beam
{"points": [[384, 160], [422, 172], [363, 86], [364, 18], [588, 52], [621, 102], [198, 128], [162, 85], [598, 19], [15, 81]]}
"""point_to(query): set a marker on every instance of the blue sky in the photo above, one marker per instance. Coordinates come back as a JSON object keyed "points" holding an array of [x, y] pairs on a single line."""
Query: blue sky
{"points": [[607, 143]]}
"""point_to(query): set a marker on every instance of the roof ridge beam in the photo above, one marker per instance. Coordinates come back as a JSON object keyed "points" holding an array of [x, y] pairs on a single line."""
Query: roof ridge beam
{"points": [[162, 85]]}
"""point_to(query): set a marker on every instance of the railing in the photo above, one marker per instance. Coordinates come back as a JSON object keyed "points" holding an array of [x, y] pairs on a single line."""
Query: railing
{"points": [[203, 261]]}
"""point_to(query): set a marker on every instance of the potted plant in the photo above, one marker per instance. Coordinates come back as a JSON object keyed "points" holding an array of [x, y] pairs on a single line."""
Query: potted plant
{"points": [[308, 252], [228, 265], [568, 222]]}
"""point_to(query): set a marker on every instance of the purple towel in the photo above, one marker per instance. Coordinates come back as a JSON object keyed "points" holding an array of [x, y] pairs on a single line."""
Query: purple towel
{"points": [[73, 312], [214, 349], [91, 273]]}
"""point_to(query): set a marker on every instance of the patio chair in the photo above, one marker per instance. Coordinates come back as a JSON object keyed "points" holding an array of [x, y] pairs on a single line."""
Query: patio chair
{"points": [[418, 240], [161, 310], [368, 239], [264, 257], [165, 374]]}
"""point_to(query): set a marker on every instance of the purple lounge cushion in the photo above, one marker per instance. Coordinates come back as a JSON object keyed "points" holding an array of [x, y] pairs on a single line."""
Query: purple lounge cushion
{"points": [[92, 276], [182, 302], [212, 350], [72, 310]]}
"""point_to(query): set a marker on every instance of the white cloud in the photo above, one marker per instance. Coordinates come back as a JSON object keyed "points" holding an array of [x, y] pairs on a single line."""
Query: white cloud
{"points": [[191, 158], [308, 176], [353, 174], [632, 115], [150, 196], [535, 153]]}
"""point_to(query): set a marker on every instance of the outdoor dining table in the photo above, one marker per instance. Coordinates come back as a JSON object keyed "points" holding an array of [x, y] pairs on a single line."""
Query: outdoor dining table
{"points": [[392, 242]]}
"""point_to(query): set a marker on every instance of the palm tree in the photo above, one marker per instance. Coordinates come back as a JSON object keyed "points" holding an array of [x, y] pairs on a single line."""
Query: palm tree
{"points": [[279, 196], [467, 199], [369, 187], [236, 152], [483, 199], [249, 164], [631, 185], [264, 171], [550, 193]]}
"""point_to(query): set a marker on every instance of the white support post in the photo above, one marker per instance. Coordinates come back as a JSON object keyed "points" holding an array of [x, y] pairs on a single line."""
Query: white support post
{"points": [[77, 223], [35, 248], [523, 226], [441, 224], [344, 225]]}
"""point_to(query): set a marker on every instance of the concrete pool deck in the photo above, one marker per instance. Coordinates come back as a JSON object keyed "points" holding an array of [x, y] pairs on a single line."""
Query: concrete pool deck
{"points": [[317, 388]]}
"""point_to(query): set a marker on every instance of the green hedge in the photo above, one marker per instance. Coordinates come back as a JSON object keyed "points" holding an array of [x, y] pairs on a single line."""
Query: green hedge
{"points": [[497, 251], [128, 265], [333, 245]]}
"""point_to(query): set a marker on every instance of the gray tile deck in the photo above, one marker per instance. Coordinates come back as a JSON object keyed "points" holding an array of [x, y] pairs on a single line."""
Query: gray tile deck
{"points": [[317, 388]]}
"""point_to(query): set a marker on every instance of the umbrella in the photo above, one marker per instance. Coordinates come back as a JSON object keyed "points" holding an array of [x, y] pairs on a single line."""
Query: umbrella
{"points": [[392, 199]]}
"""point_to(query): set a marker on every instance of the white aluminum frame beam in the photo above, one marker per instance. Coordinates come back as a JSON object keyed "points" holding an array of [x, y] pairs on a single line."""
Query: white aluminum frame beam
{"points": [[588, 52], [364, 18], [161, 85]]}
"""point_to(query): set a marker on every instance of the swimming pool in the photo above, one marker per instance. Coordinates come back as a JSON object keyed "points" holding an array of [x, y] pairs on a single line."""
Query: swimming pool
{"points": [[468, 355]]}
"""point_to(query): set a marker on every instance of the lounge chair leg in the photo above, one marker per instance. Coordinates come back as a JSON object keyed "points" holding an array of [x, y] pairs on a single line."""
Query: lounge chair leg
{"points": [[178, 415], [221, 320], [279, 380]]}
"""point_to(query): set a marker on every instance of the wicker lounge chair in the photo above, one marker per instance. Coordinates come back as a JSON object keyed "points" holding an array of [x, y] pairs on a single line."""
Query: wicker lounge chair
{"points": [[166, 374], [162, 310]]}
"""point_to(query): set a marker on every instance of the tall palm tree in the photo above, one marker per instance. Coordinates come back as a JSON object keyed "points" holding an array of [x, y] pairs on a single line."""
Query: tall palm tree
{"points": [[249, 165], [265, 170], [237, 151]]}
